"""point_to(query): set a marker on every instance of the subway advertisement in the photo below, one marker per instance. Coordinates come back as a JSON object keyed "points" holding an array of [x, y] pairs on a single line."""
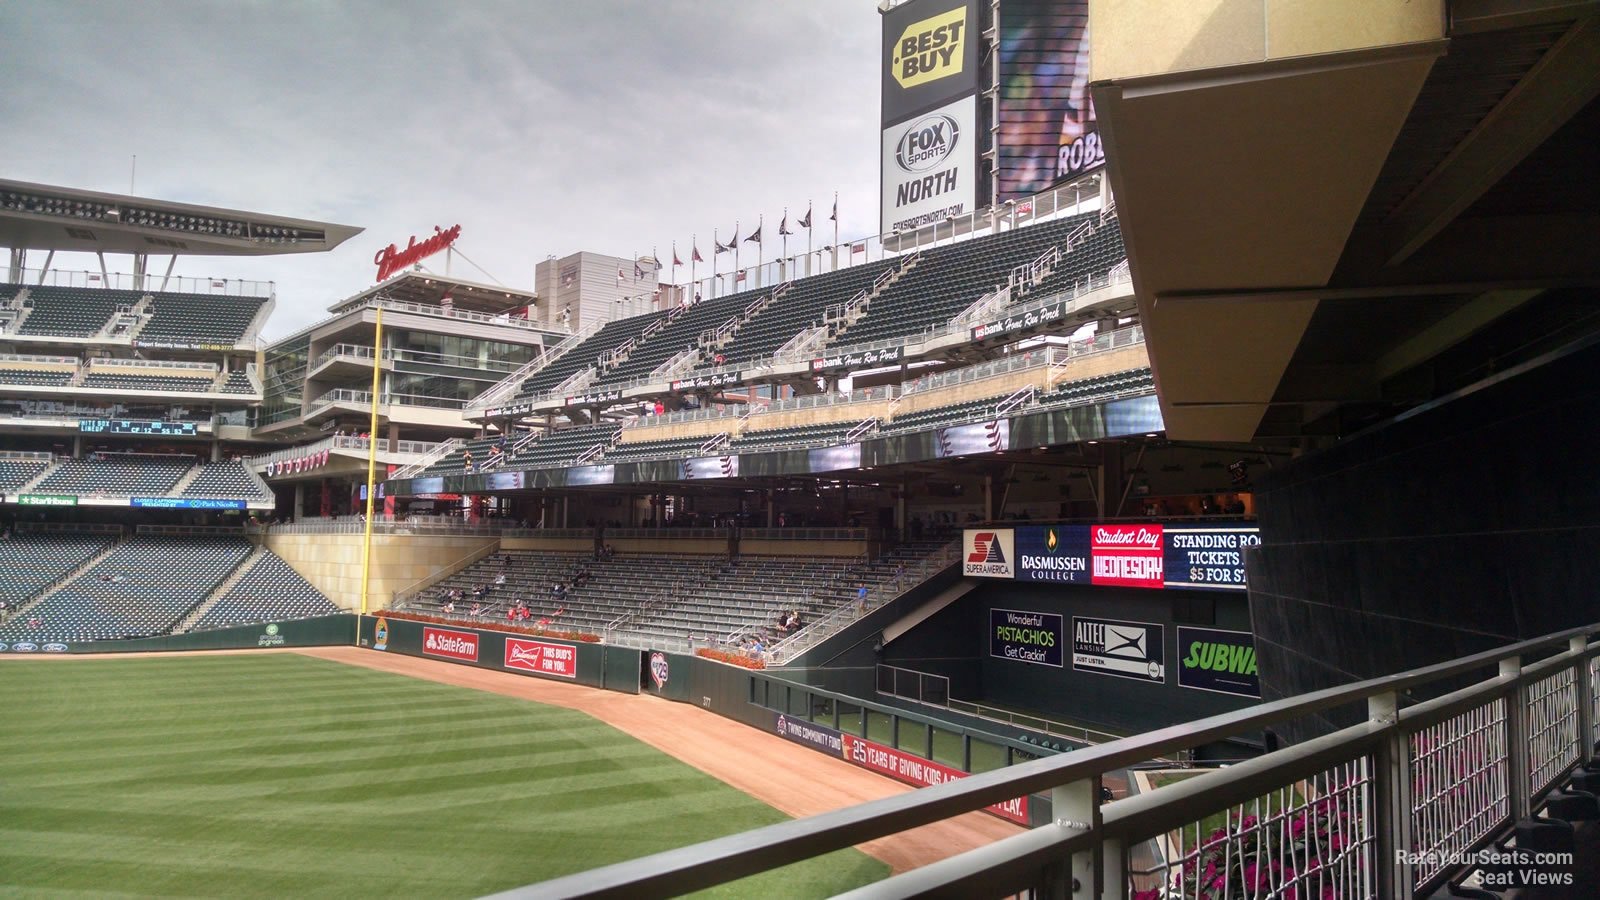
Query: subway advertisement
{"points": [[1047, 130], [1223, 662], [1115, 555]]}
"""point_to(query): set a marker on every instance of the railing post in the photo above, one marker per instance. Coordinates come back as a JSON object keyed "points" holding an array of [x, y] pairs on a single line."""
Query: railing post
{"points": [[1516, 739], [1580, 647], [1083, 876], [1392, 783]]}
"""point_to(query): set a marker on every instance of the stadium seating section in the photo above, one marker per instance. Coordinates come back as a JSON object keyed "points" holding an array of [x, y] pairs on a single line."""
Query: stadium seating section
{"points": [[564, 446], [15, 473], [268, 591], [1089, 390], [947, 280], [73, 312], [797, 436], [238, 383], [610, 336], [140, 475], [680, 334], [35, 377], [31, 561], [670, 448], [227, 479], [199, 318], [800, 308], [110, 382], [669, 597], [143, 587], [965, 411]]}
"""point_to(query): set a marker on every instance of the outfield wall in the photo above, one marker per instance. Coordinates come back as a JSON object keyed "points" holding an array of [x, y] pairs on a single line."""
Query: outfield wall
{"points": [[322, 631]]}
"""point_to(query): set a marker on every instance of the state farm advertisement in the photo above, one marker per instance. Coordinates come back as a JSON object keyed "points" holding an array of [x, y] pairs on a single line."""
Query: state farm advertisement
{"points": [[542, 657], [462, 645], [921, 772], [1126, 555]]}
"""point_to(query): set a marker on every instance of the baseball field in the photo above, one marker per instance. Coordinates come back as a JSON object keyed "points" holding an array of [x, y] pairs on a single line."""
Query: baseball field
{"points": [[286, 775]]}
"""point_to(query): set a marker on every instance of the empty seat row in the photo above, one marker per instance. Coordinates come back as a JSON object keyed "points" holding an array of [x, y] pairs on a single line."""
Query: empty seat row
{"points": [[73, 312], [268, 591], [110, 382], [227, 479], [199, 318]]}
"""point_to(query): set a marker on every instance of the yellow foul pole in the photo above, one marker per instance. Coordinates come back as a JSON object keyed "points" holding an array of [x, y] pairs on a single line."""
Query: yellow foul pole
{"points": [[372, 464]]}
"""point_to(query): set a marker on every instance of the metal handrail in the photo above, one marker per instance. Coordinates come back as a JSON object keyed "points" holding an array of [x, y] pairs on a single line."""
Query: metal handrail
{"points": [[440, 452], [509, 385], [1363, 775]]}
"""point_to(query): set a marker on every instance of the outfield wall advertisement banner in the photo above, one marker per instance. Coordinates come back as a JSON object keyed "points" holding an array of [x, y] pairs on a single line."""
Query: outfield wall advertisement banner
{"points": [[819, 737], [1208, 558], [703, 467], [1126, 555], [930, 166], [988, 554], [1058, 553], [1023, 636], [1134, 650], [461, 645], [902, 766], [1047, 124], [979, 437], [542, 657], [1143, 556], [1223, 662]]}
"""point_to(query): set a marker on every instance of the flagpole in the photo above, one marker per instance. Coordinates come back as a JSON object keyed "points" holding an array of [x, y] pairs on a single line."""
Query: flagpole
{"points": [[714, 254], [836, 231], [784, 232], [736, 256], [372, 469], [809, 205], [694, 251]]}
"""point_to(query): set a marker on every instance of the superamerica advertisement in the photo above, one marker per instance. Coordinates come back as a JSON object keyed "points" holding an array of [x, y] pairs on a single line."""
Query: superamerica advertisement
{"points": [[1047, 124]]}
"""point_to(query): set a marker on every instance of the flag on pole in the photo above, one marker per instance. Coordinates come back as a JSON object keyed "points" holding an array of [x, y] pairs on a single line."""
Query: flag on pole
{"points": [[806, 221], [621, 278], [783, 226], [694, 254], [835, 216], [676, 262], [638, 270], [754, 236]]}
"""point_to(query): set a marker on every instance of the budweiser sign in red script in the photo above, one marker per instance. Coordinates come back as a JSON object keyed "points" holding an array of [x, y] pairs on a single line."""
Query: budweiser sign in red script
{"points": [[560, 660], [462, 645], [389, 260], [916, 770], [1126, 555]]}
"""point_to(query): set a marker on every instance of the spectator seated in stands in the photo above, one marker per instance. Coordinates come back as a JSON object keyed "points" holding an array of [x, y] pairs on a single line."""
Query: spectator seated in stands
{"points": [[449, 607], [476, 610]]}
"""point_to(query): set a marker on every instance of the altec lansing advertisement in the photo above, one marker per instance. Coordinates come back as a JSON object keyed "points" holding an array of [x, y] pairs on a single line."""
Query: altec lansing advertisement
{"points": [[930, 112], [1134, 650]]}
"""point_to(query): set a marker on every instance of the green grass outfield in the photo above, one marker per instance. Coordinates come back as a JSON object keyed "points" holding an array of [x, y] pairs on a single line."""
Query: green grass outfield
{"points": [[282, 775]]}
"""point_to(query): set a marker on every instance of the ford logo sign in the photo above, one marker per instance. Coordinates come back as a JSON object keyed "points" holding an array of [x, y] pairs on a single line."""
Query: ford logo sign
{"points": [[24, 647], [4, 646], [55, 648]]}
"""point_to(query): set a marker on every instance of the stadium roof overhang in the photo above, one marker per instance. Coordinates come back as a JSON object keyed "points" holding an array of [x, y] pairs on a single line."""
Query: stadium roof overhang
{"points": [[46, 217], [1320, 240]]}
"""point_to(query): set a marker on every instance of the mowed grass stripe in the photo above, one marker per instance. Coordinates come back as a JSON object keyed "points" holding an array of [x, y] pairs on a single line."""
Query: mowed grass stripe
{"points": [[276, 775]]}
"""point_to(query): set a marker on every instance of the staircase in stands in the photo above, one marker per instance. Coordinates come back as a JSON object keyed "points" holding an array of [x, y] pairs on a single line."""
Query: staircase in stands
{"points": [[196, 614]]}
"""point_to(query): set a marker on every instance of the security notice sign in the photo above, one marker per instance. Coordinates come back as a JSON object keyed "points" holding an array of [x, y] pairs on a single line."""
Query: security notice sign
{"points": [[930, 166], [1125, 649]]}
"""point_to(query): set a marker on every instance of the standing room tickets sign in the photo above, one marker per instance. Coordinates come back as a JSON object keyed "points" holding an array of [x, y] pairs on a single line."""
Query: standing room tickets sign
{"points": [[1119, 555]]}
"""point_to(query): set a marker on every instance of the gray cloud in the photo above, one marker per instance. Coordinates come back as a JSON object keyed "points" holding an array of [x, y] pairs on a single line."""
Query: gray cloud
{"points": [[542, 127]]}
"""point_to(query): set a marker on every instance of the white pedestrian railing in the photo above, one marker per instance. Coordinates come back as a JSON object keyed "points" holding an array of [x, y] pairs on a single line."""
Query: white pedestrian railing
{"points": [[1392, 806], [437, 453]]}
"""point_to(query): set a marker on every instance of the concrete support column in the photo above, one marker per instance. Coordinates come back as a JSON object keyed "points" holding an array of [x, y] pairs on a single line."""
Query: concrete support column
{"points": [[1109, 471], [988, 498], [394, 437], [772, 508], [299, 501]]}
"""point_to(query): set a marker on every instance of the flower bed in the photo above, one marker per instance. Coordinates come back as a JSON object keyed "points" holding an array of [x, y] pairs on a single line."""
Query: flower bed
{"points": [[732, 659], [581, 636]]}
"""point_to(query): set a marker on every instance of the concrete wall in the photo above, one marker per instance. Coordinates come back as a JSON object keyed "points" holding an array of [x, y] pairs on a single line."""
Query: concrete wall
{"points": [[1462, 528], [332, 562], [802, 548], [559, 545], [1202, 34]]}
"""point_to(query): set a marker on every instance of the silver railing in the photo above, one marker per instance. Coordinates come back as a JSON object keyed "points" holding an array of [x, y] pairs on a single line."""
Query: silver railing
{"points": [[432, 456], [175, 365], [715, 411], [1382, 808], [464, 315], [508, 386], [341, 442], [832, 398], [176, 284], [418, 525], [932, 689]]}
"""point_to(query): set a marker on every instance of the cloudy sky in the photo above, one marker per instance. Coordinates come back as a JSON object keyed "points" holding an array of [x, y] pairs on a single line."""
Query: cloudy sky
{"points": [[541, 126]]}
